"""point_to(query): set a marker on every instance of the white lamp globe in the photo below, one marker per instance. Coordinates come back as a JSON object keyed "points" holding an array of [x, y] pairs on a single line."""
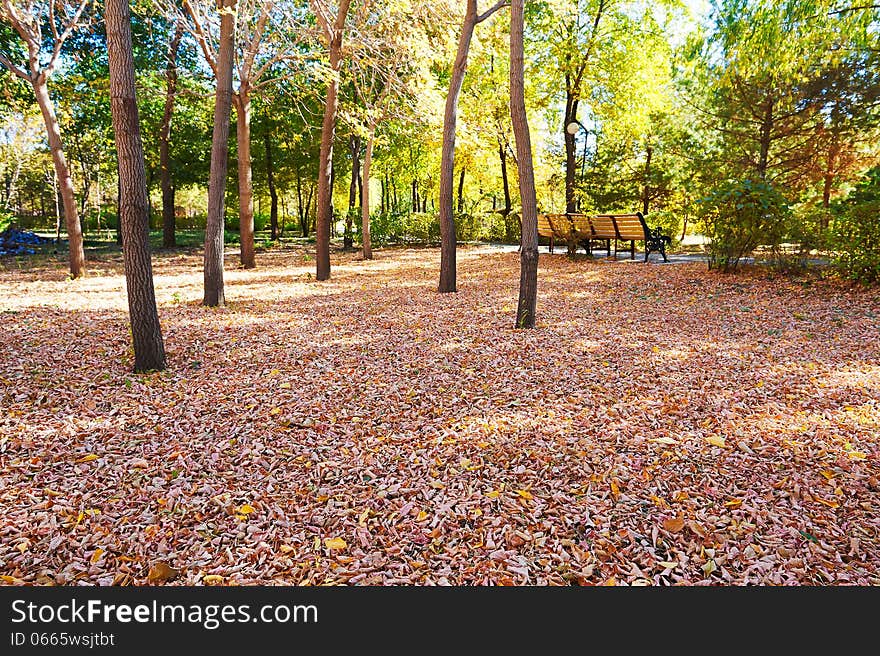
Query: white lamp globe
{"points": [[572, 127]]}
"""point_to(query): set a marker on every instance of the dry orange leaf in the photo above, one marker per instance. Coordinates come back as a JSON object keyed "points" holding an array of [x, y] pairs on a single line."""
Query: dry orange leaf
{"points": [[161, 572], [673, 524], [717, 440], [96, 556]]}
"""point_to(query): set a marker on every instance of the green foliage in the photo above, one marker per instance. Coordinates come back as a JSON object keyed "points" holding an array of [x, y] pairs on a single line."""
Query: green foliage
{"points": [[413, 227], [856, 240], [740, 215], [6, 220], [670, 223]]}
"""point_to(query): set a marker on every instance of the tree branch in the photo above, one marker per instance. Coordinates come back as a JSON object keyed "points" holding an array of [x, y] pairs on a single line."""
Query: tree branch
{"points": [[12, 68], [501, 4]]}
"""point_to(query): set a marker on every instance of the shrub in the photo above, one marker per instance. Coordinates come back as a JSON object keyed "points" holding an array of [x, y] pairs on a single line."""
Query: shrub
{"points": [[855, 237], [738, 216], [6, 220], [669, 222]]}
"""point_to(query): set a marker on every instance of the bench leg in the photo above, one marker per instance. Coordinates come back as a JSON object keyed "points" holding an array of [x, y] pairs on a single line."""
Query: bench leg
{"points": [[551, 244], [632, 250]]}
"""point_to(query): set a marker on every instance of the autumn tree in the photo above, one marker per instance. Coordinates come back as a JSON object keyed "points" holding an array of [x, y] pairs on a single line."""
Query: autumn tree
{"points": [[389, 75], [149, 350], [168, 218], [43, 27], [332, 24], [261, 45], [214, 227], [528, 281], [447, 159]]}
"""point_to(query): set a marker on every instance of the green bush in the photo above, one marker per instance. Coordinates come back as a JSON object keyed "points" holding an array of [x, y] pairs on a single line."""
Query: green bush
{"points": [[6, 220], [855, 237], [669, 222], [739, 216]]}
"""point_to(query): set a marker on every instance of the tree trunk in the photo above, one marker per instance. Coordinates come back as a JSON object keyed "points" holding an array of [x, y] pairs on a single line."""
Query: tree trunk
{"points": [[765, 140], [355, 151], [415, 196], [57, 208], [77, 256], [273, 193], [502, 155], [242, 102], [365, 202], [646, 190], [169, 227], [461, 191], [325, 190], [447, 157], [214, 292], [528, 281], [149, 350], [571, 107]]}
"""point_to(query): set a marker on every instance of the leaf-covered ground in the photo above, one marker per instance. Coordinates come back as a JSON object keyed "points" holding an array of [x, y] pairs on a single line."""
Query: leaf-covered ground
{"points": [[662, 425]]}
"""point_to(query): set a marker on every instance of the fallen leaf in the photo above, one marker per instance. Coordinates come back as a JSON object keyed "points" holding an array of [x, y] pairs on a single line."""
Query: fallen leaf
{"points": [[335, 543], [161, 572], [673, 524], [716, 440]]}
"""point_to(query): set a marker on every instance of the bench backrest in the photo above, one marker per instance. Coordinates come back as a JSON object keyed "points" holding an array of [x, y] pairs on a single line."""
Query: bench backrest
{"points": [[544, 227], [581, 226], [629, 226], [603, 226], [560, 225]]}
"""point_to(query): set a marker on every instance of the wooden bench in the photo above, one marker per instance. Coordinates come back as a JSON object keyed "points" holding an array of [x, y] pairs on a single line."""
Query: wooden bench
{"points": [[619, 227], [554, 226]]}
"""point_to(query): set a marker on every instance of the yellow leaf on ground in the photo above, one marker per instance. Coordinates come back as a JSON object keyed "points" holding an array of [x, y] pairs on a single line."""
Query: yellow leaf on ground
{"points": [[422, 516], [716, 440], [733, 503], [335, 543], [830, 504], [494, 494], [525, 494], [284, 386], [247, 509], [212, 579], [668, 564], [87, 458], [275, 411], [96, 556], [663, 440], [857, 455]]}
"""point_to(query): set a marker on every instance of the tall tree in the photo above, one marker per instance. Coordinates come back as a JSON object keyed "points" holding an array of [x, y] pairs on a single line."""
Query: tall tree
{"points": [[332, 29], [259, 48], [447, 159], [169, 238], [214, 291], [29, 19], [146, 333], [528, 280]]}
